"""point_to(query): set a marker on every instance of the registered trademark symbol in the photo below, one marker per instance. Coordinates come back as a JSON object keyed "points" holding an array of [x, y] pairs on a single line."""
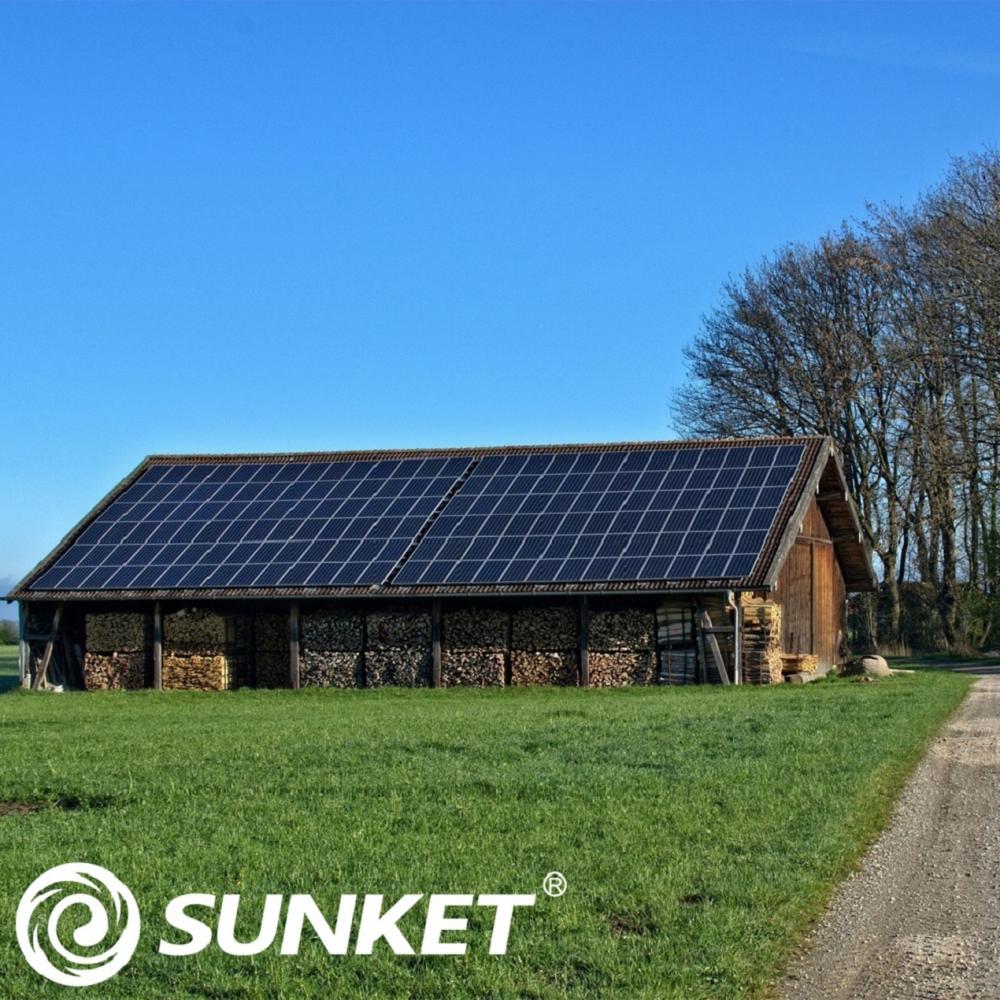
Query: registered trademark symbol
{"points": [[554, 884]]}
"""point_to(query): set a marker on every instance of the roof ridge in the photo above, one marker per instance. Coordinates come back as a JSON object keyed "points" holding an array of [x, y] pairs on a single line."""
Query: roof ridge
{"points": [[481, 450]]}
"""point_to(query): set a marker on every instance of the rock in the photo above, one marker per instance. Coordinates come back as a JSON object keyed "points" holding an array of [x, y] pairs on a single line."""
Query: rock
{"points": [[800, 678], [868, 666]]}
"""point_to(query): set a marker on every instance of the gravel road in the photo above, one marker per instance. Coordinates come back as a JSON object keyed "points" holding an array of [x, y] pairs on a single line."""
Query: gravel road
{"points": [[921, 919]]}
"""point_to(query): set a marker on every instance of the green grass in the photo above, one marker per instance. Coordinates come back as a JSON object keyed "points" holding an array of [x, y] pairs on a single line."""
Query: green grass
{"points": [[699, 829]]}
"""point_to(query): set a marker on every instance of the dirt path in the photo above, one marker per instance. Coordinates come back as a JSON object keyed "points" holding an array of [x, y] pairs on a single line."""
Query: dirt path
{"points": [[921, 919]]}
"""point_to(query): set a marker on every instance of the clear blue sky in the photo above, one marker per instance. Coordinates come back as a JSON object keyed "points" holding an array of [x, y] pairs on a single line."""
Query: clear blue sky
{"points": [[319, 227]]}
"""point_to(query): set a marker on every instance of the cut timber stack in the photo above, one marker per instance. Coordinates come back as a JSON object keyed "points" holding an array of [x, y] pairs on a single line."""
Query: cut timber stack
{"points": [[799, 663], [621, 648], [399, 649], [543, 646], [474, 647], [331, 655], [761, 640], [272, 651], [115, 655], [194, 651]]}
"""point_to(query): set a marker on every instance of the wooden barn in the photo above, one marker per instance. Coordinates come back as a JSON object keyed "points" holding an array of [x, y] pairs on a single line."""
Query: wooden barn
{"points": [[668, 562]]}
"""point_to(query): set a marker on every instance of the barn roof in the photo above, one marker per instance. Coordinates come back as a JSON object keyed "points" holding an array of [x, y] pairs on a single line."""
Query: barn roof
{"points": [[643, 516]]}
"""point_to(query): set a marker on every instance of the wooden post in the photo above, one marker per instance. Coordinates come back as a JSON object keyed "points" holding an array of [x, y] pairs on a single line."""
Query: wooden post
{"points": [[711, 644], [737, 640], [157, 646], [584, 641], [23, 667], [293, 644], [49, 647], [436, 643]]}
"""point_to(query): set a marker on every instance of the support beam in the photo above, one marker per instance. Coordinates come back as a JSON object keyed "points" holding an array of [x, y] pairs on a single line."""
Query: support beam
{"points": [[711, 643], [23, 651], [584, 642], [436, 643], [49, 647], [157, 647], [853, 537], [293, 645], [737, 641], [828, 497]]}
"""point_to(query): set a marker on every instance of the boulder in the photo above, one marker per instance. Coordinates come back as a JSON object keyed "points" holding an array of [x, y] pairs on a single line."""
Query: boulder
{"points": [[868, 666]]}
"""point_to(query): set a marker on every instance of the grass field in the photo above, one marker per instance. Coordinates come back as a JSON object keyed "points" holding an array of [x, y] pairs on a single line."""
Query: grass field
{"points": [[8, 667], [698, 829]]}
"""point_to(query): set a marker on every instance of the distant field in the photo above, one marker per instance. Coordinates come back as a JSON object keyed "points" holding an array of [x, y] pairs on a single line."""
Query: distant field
{"points": [[8, 667], [698, 829]]}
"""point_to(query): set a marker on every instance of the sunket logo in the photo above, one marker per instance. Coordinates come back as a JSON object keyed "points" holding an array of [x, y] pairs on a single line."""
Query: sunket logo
{"points": [[113, 923]]}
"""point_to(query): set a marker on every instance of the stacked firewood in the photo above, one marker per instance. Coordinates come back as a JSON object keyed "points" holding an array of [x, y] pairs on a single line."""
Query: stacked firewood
{"points": [[544, 646], [194, 651], [195, 671], [115, 655], [762, 662], [398, 651], [799, 663], [272, 651], [622, 650], [331, 649], [474, 647], [115, 633]]}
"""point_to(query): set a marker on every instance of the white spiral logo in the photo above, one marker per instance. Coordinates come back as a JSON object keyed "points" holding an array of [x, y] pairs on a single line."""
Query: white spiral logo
{"points": [[48, 899]]}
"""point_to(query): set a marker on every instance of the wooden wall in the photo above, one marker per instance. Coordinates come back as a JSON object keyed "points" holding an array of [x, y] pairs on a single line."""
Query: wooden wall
{"points": [[812, 593]]}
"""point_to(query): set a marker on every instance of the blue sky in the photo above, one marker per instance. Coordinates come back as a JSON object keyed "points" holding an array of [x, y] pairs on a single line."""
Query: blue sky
{"points": [[242, 228]]}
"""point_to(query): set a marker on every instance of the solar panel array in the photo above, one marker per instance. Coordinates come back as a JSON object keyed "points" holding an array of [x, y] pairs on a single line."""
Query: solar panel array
{"points": [[586, 516], [561, 517], [293, 524]]}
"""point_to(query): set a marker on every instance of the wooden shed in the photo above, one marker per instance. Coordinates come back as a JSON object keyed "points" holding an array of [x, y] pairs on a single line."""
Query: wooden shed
{"points": [[663, 562]]}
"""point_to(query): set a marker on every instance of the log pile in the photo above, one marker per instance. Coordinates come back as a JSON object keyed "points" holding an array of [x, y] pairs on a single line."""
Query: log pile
{"points": [[621, 668], [622, 650], [799, 663], [114, 671], [331, 650], [194, 651], [542, 667], [761, 640], [544, 646], [628, 629], [400, 667], [399, 649], [537, 629], [115, 657], [195, 672], [272, 651], [115, 633], [399, 630], [474, 647], [478, 628], [472, 667]]}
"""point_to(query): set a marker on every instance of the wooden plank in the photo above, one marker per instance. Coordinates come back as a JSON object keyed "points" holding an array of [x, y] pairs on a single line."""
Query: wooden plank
{"points": [[436, 643], [49, 647], [293, 645], [711, 643], [157, 647], [584, 643]]}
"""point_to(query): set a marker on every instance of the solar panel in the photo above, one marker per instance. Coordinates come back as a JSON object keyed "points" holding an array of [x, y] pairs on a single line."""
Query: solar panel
{"points": [[577, 517], [292, 524], [561, 517]]}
